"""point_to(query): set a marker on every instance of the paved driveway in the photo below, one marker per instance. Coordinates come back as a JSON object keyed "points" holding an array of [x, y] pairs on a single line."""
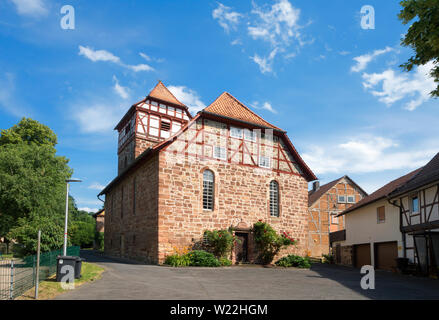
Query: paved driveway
{"points": [[134, 281]]}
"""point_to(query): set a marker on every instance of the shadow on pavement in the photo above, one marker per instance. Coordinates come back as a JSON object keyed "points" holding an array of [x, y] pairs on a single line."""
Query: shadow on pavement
{"points": [[96, 257], [388, 285]]}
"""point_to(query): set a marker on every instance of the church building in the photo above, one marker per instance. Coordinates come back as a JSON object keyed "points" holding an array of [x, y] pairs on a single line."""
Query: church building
{"points": [[181, 174]]}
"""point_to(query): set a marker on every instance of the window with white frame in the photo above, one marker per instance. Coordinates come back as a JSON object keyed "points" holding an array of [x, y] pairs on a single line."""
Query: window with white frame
{"points": [[249, 135], [351, 199], [220, 153], [274, 199], [414, 204], [236, 132], [341, 199], [264, 162], [208, 189]]}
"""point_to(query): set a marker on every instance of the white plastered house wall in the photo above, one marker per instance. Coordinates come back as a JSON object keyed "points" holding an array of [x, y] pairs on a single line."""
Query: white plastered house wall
{"points": [[362, 227]]}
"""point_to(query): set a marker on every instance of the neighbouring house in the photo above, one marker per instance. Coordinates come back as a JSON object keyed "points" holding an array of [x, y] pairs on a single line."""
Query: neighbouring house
{"points": [[180, 175], [417, 203], [325, 203], [373, 235], [100, 220]]}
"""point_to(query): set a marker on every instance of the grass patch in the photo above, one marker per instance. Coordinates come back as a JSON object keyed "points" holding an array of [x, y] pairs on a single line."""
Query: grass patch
{"points": [[49, 289]]}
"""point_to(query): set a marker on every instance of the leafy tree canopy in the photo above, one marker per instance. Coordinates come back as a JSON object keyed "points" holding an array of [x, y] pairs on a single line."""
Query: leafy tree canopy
{"points": [[32, 176], [423, 35], [28, 131]]}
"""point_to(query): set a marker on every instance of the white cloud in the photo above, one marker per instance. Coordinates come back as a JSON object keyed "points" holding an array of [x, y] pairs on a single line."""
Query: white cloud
{"points": [[140, 67], [30, 7], [150, 59], [365, 155], [9, 100], [236, 42], [278, 25], [364, 60], [103, 55], [98, 55], [227, 18], [344, 53], [415, 86], [265, 106], [120, 90], [265, 63], [96, 186], [97, 117], [188, 97]]}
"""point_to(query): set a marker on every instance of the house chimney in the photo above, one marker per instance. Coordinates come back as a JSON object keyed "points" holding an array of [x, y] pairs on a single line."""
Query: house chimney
{"points": [[315, 186]]}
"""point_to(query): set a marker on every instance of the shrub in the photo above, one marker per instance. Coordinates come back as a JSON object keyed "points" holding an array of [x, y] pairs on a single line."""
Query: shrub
{"points": [[220, 241], [269, 242], [294, 261], [177, 260], [328, 258], [225, 262], [201, 258]]}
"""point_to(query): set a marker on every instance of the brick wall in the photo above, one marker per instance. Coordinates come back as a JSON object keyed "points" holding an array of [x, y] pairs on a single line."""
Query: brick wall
{"points": [[241, 196], [320, 223], [134, 235]]}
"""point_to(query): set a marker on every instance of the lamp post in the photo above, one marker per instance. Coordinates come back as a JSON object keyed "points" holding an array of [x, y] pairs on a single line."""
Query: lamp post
{"points": [[67, 214]]}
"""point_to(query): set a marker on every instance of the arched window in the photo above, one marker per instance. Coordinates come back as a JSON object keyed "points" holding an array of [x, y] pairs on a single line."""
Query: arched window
{"points": [[274, 199], [208, 189]]}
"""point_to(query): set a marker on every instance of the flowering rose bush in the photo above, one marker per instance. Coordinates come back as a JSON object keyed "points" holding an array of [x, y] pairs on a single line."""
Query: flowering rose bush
{"points": [[220, 242], [269, 242]]}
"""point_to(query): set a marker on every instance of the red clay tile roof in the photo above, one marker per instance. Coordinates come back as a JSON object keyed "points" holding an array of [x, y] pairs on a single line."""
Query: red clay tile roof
{"points": [[428, 174], [228, 106], [314, 196], [382, 192], [162, 93]]}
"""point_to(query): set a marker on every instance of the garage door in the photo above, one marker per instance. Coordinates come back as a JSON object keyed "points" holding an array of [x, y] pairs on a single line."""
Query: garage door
{"points": [[362, 255], [386, 253]]}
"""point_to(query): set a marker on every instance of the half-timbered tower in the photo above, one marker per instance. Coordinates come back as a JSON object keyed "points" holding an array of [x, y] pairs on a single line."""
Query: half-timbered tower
{"points": [[225, 167], [418, 203], [325, 203], [148, 122]]}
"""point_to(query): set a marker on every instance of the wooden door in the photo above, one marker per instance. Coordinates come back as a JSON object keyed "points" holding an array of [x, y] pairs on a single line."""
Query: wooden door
{"points": [[241, 248], [362, 255], [386, 254]]}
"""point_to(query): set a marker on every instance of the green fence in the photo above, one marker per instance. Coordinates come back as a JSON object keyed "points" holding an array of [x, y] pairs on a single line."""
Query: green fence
{"points": [[19, 275]]}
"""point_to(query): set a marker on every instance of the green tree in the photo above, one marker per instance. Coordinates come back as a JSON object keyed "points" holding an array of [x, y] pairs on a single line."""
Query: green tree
{"points": [[32, 184], [28, 131], [423, 35], [25, 233]]}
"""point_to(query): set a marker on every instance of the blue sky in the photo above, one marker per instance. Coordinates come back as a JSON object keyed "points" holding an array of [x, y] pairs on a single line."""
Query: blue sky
{"points": [[306, 66]]}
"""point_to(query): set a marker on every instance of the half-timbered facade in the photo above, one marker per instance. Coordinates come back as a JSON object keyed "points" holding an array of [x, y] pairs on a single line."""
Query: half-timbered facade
{"points": [[418, 203], [225, 167], [325, 203]]}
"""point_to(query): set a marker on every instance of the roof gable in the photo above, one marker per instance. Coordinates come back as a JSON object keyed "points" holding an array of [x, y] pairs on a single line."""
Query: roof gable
{"points": [[316, 195], [162, 93], [228, 106]]}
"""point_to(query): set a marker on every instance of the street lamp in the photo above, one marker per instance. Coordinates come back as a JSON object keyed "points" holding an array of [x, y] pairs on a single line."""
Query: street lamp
{"points": [[67, 214]]}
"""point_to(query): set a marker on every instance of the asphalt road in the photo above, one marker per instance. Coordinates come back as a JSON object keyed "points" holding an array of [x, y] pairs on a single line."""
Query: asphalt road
{"points": [[129, 281]]}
